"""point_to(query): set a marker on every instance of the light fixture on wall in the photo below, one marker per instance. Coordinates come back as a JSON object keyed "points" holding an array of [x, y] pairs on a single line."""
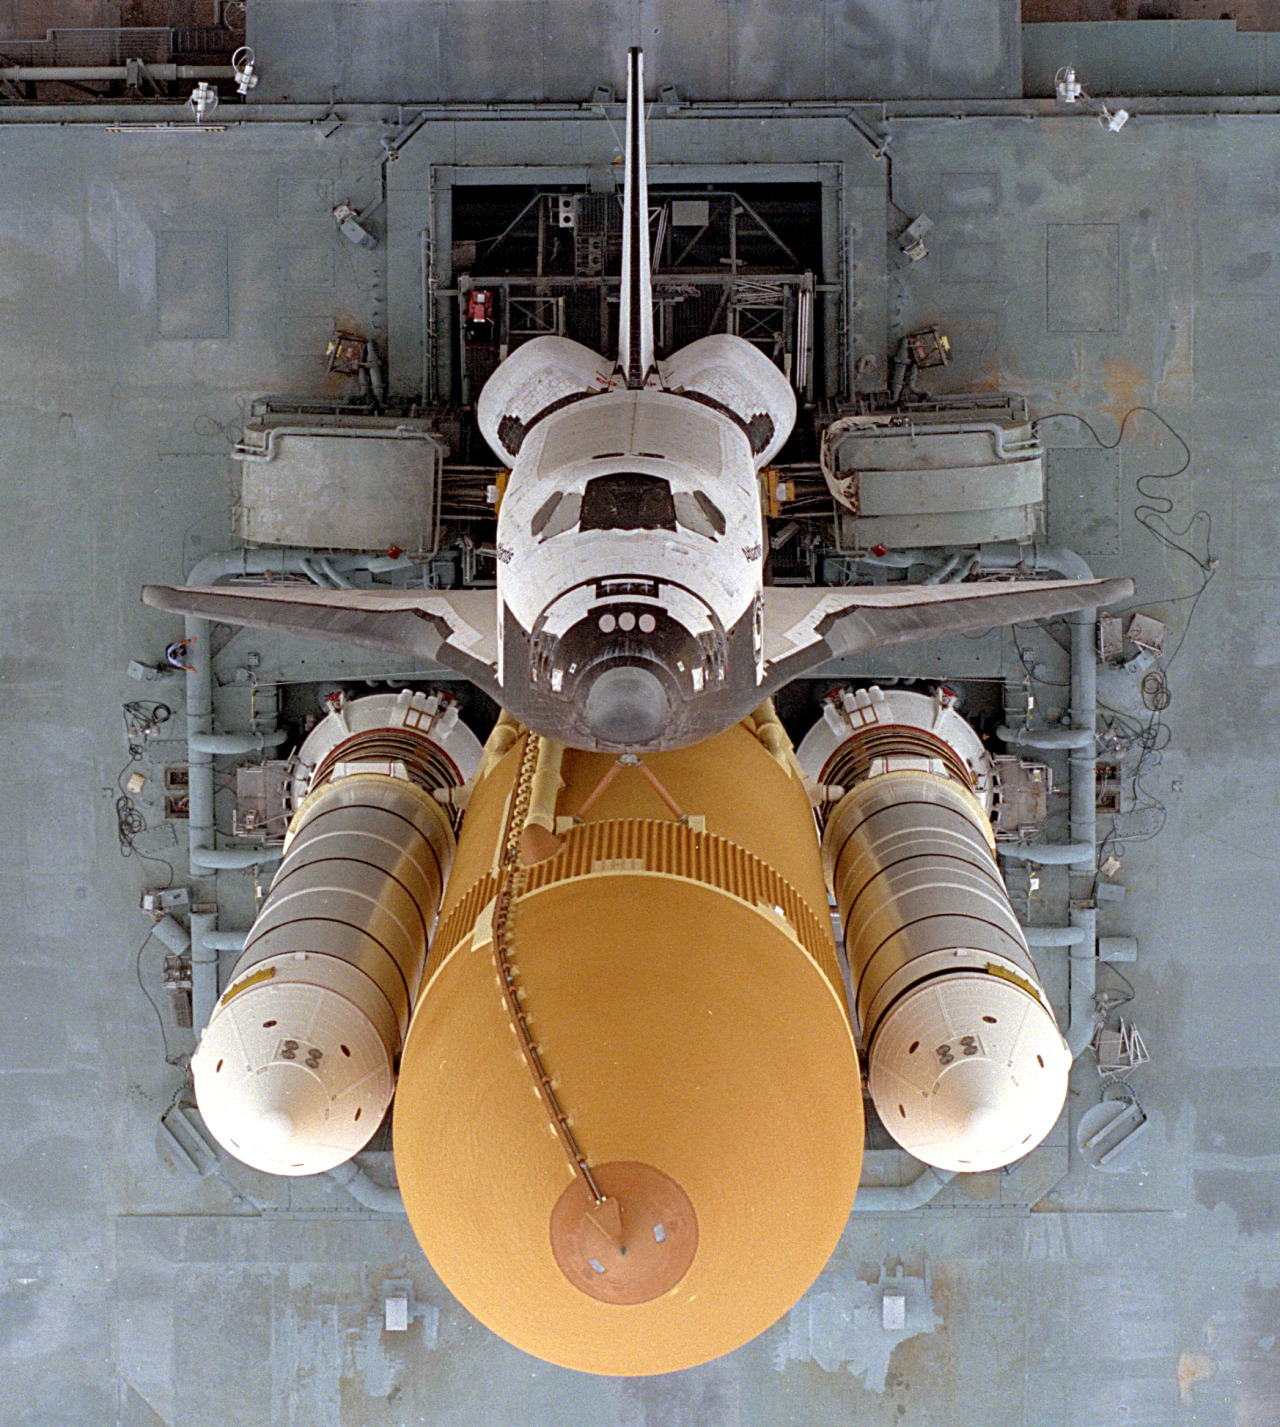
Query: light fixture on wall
{"points": [[203, 100], [1069, 90], [243, 65]]}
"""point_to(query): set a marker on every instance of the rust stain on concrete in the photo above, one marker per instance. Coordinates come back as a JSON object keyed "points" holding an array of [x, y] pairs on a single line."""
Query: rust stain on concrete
{"points": [[1194, 1368], [1127, 385]]}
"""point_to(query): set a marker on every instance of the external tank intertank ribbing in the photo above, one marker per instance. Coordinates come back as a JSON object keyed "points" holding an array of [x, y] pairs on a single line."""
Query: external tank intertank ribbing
{"points": [[628, 1128], [965, 1062]]}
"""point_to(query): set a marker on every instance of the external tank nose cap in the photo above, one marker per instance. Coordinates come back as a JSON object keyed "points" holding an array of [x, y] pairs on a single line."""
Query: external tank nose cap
{"points": [[627, 705]]}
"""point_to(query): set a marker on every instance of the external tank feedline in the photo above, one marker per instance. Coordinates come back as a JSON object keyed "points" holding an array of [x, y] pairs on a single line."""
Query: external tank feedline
{"points": [[510, 890]]}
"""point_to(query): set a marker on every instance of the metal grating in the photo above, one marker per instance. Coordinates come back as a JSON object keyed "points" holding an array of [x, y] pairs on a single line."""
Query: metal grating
{"points": [[79, 47], [152, 44]]}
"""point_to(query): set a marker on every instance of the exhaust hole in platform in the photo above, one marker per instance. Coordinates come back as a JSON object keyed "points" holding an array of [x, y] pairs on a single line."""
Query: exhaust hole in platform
{"points": [[267, 1024], [358, 1111], [990, 1020], [344, 1050], [217, 1067], [902, 1110], [1040, 1061], [913, 1047]]}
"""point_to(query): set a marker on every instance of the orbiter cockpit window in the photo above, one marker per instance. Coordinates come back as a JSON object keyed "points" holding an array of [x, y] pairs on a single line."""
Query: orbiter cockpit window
{"points": [[543, 513], [711, 510], [626, 500], [556, 515], [699, 513]]}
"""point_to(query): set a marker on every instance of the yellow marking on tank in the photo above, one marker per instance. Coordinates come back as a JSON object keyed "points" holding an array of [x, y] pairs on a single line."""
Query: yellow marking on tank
{"points": [[265, 974]]}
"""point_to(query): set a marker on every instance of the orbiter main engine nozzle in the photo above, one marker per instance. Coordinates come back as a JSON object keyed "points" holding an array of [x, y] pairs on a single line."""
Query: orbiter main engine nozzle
{"points": [[967, 1067]]}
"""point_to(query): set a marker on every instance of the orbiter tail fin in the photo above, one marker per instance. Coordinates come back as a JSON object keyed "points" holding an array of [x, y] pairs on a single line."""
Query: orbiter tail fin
{"points": [[635, 318]]}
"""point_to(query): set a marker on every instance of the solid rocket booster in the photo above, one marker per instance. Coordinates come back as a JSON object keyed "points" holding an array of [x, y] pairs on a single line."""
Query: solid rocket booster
{"points": [[295, 1070], [628, 1128], [967, 1067]]}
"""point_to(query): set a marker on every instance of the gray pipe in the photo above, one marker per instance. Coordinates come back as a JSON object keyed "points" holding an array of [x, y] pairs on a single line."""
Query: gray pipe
{"points": [[944, 572], [1046, 738], [200, 828], [204, 971], [1050, 854], [899, 559], [1024, 449], [224, 564], [1117, 948], [365, 1190], [1053, 936], [1084, 828], [314, 574], [68, 74], [898, 1198], [173, 934], [225, 940], [1084, 773], [224, 743], [202, 742], [235, 859], [339, 582], [282, 561], [962, 572], [1034, 557], [241, 452]]}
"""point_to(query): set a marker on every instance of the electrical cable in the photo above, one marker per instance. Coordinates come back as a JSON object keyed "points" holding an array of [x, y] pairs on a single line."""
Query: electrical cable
{"points": [[141, 719], [179, 1061], [1123, 734], [1027, 668], [1108, 999], [1155, 690], [1120, 732], [206, 424], [1154, 508]]}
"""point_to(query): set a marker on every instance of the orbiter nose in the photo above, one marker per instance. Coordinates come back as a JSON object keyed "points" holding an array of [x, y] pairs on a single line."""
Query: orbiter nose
{"points": [[627, 706]]}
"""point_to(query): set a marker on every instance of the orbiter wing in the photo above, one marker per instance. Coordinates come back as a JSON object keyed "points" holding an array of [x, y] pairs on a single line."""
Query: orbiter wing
{"points": [[455, 628], [804, 628]]}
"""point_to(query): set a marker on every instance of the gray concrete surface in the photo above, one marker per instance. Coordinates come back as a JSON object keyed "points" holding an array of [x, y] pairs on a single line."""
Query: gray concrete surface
{"points": [[710, 49], [150, 285]]}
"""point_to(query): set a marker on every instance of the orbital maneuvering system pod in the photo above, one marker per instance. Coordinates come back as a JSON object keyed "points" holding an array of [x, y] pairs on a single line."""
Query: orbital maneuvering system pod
{"points": [[630, 613], [966, 1065]]}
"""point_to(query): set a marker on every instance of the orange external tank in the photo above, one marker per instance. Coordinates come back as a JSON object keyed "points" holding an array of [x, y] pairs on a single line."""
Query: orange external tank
{"points": [[628, 1127]]}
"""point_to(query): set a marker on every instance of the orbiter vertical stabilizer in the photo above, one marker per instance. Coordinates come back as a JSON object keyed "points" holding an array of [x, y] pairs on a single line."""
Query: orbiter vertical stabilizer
{"points": [[635, 317]]}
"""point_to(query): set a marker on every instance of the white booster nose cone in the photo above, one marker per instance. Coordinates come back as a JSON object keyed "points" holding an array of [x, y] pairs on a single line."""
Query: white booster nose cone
{"points": [[292, 1077], [273, 1127], [969, 1072], [627, 705]]}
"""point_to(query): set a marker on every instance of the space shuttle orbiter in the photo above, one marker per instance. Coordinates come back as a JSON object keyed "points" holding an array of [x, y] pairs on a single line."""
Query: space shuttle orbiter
{"points": [[630, 613]]}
